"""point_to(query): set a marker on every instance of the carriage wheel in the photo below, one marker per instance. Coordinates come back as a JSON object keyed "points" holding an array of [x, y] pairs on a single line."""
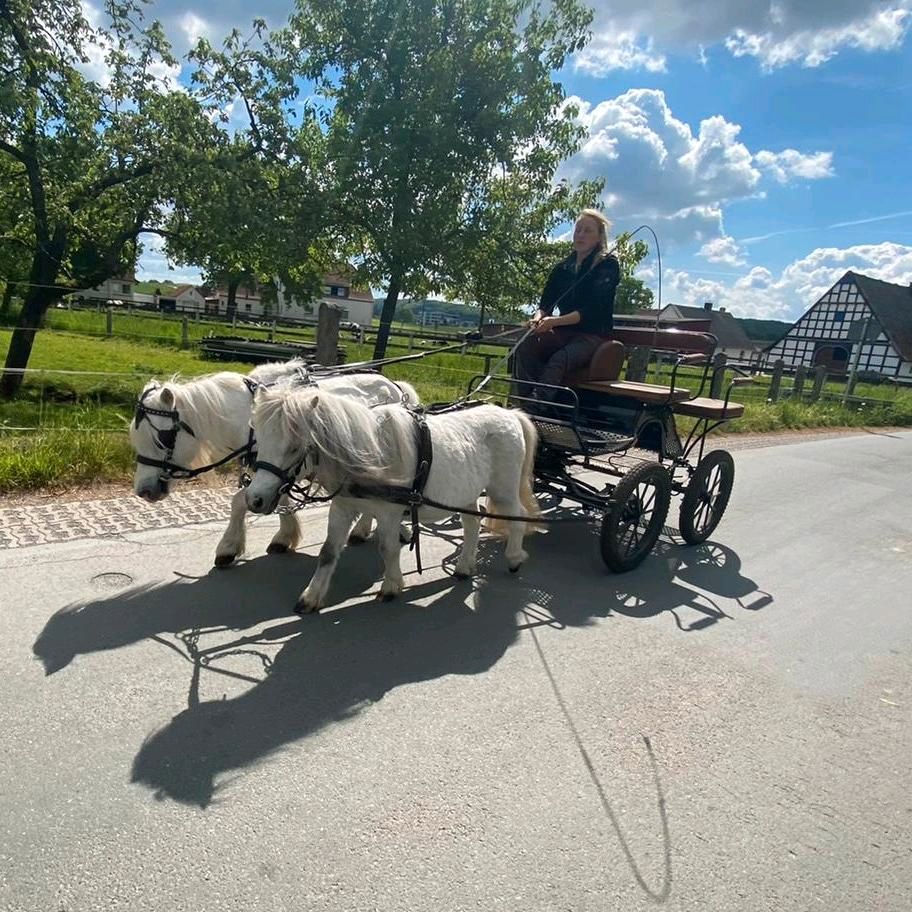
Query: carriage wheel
{"points": [[706, 496], [635, 516]]}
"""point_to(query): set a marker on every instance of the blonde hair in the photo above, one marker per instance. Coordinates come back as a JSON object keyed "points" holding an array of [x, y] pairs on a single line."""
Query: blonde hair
{"points": [[604, 226]]}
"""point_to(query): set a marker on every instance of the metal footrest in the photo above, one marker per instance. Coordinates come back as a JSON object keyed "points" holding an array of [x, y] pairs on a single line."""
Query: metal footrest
{"points": [[584, 440]]}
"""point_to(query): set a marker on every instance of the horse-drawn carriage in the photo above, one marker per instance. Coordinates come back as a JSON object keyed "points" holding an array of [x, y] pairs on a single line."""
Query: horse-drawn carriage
{"points": [[610, 445], [625, 432]]}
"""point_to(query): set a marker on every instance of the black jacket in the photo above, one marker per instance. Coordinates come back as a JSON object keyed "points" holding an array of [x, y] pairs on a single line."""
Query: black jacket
{"points": [[590, 291]]}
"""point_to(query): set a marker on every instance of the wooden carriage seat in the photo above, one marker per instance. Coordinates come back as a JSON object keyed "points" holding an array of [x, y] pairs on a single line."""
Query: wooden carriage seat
{"points": [[713, 409]]}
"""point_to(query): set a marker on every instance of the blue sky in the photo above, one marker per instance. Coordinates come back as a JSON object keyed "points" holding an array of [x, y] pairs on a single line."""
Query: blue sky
{"points": [[747, 134]]}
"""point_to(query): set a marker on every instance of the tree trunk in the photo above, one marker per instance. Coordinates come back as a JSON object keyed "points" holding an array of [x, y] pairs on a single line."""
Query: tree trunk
{"points": [[37, 300], [386, 317], [231, 306], [7, 298]]}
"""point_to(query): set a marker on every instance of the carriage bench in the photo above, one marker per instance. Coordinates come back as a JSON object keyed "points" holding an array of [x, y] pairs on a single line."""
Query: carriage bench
{"points": [[604, 370]]}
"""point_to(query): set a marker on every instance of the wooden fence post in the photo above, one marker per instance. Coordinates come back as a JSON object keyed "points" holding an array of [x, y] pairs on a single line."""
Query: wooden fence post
{"points": [[776, 381], [798, 383], [820, 376], [185, 332], [718, 375], [234, 320], [638, 364], [272, 330], [328, 334], [109, 322], [851, 380]]}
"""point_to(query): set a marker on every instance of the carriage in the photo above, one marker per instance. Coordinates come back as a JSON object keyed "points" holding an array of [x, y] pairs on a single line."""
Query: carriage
{"points": [[613, 445]]}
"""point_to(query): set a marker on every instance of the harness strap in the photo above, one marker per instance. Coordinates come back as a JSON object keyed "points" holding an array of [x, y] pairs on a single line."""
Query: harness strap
{"points": [[423, 470]]}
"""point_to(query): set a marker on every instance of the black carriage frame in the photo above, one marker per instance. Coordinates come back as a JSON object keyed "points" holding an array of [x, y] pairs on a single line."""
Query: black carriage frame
{"points": [[594, 426]]}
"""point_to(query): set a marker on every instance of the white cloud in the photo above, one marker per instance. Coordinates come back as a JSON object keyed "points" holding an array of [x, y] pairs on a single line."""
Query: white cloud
{"points": [[790, 164], [194, 27], [154, 264], [779, 33], [659, 170], [759, 294], [881, 30], [723, 250], [619, 52]]}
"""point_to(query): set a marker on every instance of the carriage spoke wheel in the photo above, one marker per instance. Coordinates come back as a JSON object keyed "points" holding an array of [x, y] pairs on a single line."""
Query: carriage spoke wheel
{"points": [[635, 516], [706, 496]]}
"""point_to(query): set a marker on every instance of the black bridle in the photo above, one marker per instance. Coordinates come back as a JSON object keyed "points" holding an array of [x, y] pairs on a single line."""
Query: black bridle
{"points": [[166, 440]]}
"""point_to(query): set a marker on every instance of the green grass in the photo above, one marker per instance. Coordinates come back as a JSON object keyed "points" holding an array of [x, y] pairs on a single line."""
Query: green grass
{"points": [[81, 419]]}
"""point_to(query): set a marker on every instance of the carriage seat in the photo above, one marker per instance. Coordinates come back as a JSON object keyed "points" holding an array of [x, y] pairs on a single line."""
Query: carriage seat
{"points": [[603, 375]]}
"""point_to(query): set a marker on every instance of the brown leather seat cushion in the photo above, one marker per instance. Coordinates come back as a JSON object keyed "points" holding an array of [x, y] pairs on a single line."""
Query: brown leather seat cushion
{"points": [[606, 364], [643, 392]]}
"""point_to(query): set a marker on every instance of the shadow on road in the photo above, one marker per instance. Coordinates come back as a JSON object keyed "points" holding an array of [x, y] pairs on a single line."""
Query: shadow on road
{"points": [[329, 665]]}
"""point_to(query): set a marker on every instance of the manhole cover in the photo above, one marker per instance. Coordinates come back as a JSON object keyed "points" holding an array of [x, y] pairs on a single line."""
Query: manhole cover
{"points": [[111, 580]]}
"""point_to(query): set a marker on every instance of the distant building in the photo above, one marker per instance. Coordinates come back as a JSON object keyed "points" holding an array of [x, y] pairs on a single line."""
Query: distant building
{"points": [[116, 289], [732, 339], [833, 332], [183, 299], [355, 304]]}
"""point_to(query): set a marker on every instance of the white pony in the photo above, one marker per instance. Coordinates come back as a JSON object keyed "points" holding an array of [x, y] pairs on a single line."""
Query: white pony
{"points": [[207, 418], [340, 443]]}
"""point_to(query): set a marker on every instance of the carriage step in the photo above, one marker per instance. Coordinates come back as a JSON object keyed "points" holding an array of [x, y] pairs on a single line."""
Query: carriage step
{"points": [[585, 440]]}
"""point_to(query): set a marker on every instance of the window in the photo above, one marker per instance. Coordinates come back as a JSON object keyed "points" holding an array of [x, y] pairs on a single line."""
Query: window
{"points": [[125, 288], [839, 316], [247, 306], [338, 291]]}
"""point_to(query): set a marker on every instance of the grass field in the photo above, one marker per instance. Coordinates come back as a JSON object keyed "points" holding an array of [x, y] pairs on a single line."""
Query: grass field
{"points": [[66, 428]]}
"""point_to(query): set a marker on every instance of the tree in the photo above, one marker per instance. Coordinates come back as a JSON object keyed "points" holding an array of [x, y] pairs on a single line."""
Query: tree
{"points": [[91, 159], [426, 103], [506, 251], [256, 208], [632, 294]]}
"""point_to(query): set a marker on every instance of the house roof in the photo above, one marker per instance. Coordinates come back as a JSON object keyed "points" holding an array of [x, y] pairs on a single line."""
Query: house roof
{"points": [[723, 325], [180, 289], [892, 305]]}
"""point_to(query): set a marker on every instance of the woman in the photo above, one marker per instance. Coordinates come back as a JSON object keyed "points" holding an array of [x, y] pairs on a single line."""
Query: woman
{"points": [[582, 287]]}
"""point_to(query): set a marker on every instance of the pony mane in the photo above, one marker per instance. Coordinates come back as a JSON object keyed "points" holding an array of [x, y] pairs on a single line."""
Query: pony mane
{"points": [[354, 441], [203, 403]]}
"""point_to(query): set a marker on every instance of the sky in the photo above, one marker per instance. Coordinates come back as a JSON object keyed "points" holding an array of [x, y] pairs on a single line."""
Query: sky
{"points": [[768, 145]]}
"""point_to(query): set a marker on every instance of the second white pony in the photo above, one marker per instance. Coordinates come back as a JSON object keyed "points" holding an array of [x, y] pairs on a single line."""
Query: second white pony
{"points": [[196, 422], [347, 448]]}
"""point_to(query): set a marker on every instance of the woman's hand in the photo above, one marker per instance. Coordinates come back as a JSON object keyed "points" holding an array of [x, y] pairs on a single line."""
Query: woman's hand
{"points": [[545, 324]]}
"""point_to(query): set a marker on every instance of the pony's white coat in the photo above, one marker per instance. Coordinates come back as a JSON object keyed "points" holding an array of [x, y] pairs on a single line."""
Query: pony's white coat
{"points": [[342, 442], [218, 409]]}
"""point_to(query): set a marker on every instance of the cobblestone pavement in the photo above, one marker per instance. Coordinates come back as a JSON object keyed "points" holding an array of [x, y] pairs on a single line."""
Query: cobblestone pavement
{"points": [[56, 521]]}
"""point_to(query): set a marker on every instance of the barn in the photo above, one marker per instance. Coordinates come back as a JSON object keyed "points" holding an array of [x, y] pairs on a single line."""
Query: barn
{"points": [[859, 317]]}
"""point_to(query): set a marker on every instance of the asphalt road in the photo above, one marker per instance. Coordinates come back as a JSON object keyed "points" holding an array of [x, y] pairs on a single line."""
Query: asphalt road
{"points": [[726, 728]]}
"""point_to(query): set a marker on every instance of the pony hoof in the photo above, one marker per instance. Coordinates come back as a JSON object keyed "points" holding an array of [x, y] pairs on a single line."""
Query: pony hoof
{"points": [[303, 607], [277, 548], [386, 596], [463, 574], [224, 560], [356, 539]]}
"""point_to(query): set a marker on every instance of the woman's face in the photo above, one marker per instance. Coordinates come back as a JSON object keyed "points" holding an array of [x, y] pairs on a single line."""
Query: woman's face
{"points": [[585, 234]]}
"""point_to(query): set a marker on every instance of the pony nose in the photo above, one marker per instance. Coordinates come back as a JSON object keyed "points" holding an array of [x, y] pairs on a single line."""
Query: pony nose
{"points": [[255, 503]]}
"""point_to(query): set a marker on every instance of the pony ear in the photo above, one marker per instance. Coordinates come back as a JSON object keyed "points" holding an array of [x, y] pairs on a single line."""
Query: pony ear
{"points": [[167, 397]]}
